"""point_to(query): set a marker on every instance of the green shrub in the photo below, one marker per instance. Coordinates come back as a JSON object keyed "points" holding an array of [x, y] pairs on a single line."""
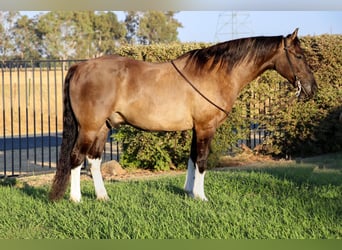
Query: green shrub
{"points": [[293, 128], [228, 134], [153, 150], [312, 127]]}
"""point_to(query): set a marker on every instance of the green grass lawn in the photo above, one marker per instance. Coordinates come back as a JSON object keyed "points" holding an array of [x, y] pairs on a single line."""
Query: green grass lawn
{"points": [[300, 200]]}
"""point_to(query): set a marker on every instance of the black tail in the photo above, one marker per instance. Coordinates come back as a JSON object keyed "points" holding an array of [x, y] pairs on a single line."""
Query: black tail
{"points": [[70, 131]]}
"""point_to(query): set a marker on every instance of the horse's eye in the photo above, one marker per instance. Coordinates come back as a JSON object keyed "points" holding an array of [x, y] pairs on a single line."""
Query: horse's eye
{"points": [[299, 56]]}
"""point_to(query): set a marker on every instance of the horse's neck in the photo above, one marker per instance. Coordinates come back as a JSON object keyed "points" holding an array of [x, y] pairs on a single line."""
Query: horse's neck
{"points": [[247, 71], [234, 80], [240, 76]]}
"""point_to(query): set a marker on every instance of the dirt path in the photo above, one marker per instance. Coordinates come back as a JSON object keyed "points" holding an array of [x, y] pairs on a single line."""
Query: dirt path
{"points": [[112, 171], [46, 179]]}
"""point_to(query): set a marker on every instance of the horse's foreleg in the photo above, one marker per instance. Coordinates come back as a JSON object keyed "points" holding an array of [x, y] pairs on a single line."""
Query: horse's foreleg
{"points": [[197, 164], [194, 183]]}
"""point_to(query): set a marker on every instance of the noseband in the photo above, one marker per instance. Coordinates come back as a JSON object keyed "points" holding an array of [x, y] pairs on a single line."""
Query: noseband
{"points": [[297, 81]]}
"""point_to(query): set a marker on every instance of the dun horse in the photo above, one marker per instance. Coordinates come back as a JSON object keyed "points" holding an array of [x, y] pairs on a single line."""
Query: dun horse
{"points": [[195, 91]]}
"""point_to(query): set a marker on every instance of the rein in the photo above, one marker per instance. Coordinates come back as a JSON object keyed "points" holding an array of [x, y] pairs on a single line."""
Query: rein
{"points": [[197, 90]]}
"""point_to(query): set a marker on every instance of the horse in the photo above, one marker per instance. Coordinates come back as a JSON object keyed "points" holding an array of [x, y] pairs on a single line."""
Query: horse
{"points": [[195, 91]]}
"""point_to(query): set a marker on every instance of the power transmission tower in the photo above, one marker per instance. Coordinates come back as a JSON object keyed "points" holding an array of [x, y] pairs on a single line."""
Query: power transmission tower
{"points": [[232, 25]]}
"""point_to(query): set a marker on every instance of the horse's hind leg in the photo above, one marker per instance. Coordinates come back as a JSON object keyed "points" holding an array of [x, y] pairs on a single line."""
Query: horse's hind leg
{"points": [[94, 158], [84, 142], [75, 187]]}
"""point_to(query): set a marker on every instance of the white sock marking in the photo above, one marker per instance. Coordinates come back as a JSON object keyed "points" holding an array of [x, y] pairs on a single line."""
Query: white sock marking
{"points": [[190, 177], [194, 182], [95, 169], [75, 190], [198, 190]]}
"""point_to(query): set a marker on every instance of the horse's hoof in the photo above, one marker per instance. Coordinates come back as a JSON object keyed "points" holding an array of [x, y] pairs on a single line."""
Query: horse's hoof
{"points": [[197, 196], [103, 198], [75, 199]]}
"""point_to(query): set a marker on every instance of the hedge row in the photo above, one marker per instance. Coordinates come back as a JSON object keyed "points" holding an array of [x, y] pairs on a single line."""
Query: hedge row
{"points": [[293, 129]]}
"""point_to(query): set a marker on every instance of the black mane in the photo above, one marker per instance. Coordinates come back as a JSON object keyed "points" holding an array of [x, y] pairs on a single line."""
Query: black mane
{"points": [[231, 53]]}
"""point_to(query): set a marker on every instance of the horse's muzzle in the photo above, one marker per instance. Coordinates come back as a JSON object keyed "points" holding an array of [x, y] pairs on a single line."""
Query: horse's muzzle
{"points": [[307, 89]]}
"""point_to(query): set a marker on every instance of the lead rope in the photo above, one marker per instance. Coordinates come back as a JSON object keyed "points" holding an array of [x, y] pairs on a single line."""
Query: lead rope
{"points": [[198, 91]]}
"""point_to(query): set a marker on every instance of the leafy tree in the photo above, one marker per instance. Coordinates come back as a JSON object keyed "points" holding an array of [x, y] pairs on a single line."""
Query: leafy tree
{"points": [[66, 34], [7, 21], [151, 27], [108, 33], [57, 34], [83, 34], [132, 26], [25, 39], [158, 27]]}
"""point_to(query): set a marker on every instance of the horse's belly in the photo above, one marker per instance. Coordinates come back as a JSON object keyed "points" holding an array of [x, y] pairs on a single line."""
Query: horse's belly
{"points": [[162, 120]]}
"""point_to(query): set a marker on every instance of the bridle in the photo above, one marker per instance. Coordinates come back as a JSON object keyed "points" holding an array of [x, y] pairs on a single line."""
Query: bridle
{"points": [[297, 80]]}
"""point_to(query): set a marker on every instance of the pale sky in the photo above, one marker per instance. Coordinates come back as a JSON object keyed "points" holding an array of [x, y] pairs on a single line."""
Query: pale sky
{"points": [[216, 26], [219, 26]]}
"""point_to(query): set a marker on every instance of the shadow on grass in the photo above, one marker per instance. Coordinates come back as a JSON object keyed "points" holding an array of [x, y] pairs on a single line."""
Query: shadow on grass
{"points": [[328, 161], [8, 182], [34, 192], [316, 171], [305, 175], [176, 190]]}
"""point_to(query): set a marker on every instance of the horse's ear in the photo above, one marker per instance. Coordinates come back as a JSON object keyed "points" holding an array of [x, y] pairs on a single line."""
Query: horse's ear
{"points": [[294, 34]]}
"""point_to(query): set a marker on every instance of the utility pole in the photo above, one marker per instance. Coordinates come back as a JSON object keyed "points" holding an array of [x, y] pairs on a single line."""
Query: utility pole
{"points": [[232, 25]]}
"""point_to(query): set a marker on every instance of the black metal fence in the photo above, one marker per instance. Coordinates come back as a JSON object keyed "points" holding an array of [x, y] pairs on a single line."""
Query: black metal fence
{"points": [[31, 116]]}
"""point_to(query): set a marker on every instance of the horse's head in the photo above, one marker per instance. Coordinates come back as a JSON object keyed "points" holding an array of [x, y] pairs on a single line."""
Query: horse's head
{"points": [[291, 64]]}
